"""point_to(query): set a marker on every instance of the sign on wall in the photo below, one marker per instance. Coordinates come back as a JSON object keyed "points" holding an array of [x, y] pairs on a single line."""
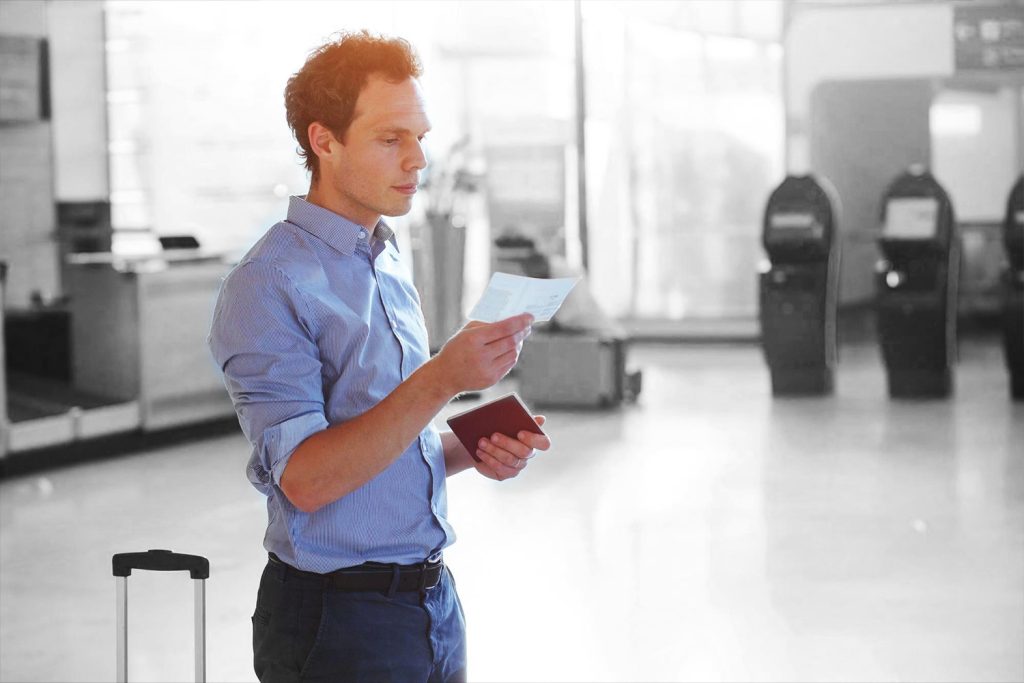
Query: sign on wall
{"points": [[989, 37]]}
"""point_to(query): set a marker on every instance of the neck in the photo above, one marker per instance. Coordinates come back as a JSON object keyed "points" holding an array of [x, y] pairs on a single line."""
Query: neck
{"points": [[320, 193]]}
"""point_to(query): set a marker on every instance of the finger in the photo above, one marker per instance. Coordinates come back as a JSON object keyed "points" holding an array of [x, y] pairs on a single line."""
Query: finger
{"points": [[540, 420], [505, 464], [508, 358], [506, 344], [525, 445], [485, 469], [501, 470], [507, 456], [500, 346], [506, 327], [509, 450], [537, 442], [499, 367], [517, 340], [521, 321]]}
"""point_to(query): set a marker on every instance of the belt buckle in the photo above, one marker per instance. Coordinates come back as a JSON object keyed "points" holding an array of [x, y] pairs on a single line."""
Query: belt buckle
{"points": [[425, 569]]}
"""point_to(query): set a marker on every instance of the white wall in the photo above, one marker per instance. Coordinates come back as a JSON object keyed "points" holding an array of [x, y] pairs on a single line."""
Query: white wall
{"points": [[973, 150], [79, 104], [859, 43], [27, 219], [23, 17]]}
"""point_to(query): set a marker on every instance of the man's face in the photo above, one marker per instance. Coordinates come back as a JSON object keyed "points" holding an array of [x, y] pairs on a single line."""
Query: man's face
{"points": [[374, 172]]}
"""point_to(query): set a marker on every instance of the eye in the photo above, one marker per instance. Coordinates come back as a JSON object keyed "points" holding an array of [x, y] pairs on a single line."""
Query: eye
{"points": [[390, 141]]}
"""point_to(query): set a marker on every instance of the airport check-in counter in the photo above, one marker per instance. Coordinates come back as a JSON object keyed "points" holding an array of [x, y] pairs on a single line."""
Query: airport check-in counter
{"points": [[916, 282], [799, 289], [1013, 289], [29, 417], [139, 336], [139, 357]]}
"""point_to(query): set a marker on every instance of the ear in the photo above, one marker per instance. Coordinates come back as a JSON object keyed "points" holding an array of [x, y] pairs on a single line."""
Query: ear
{"points": [[321, 140]]}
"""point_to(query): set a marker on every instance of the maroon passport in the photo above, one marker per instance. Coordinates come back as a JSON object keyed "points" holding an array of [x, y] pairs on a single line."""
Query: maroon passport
{"points": [[507, 415]]}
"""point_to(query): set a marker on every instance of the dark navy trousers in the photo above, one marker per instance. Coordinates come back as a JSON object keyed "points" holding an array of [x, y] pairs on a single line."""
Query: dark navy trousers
{"points": [[303, 632]]}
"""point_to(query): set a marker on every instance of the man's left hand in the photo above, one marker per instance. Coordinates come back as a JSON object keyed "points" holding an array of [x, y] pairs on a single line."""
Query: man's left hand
{"points": [[503, 457]]}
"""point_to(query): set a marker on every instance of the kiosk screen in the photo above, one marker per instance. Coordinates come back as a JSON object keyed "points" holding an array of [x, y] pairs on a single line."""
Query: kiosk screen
{"points": [[913, 218], [793, 224]]}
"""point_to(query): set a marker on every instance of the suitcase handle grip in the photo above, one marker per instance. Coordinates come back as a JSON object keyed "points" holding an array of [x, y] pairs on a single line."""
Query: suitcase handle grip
{"points": [[161, 561]]}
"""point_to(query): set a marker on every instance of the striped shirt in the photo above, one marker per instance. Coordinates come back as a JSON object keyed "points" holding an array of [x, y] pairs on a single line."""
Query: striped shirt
{"points": [[318, 323]]}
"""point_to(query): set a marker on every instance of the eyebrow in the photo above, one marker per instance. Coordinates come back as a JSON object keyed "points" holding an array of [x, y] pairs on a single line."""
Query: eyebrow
{"points": [[394, 129]]}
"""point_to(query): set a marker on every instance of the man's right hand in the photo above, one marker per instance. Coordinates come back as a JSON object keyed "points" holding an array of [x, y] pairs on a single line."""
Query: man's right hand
{"points": [[480, 354]]}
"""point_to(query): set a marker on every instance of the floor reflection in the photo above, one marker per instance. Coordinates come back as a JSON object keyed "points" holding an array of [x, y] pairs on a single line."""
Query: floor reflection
{"points": [[709, 533]]}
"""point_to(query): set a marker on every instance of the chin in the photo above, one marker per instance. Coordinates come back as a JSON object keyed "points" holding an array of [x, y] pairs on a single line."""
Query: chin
{"points": [[395, 211]]}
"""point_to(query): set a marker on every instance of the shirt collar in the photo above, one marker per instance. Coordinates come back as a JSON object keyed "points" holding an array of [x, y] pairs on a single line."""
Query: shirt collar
{"points": [[334, 229]]}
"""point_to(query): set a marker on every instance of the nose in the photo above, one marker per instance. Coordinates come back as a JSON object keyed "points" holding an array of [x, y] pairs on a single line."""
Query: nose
{"points": [[416, 160]]}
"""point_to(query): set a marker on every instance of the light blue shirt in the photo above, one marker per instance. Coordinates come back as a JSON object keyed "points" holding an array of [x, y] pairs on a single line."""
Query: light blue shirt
{"points": [[316, 325]]}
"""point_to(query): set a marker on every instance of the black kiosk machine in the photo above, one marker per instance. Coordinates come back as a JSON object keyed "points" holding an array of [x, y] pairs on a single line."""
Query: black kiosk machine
{"points": [[798, 290], [1013, 289], [916, 283]]}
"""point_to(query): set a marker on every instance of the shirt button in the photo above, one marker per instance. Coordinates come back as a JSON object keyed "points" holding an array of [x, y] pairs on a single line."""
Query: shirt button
{"points": [[362, 233]]}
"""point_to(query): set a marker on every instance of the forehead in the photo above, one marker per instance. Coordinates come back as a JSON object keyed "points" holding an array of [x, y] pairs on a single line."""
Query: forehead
{"points": [[382, 104]]}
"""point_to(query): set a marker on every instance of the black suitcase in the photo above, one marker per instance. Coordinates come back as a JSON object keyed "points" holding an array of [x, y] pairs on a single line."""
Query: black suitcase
{"points": [[161, 561]]}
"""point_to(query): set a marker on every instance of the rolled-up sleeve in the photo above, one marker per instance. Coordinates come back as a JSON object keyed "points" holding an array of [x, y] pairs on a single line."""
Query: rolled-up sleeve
{"points": [[263, 340]]}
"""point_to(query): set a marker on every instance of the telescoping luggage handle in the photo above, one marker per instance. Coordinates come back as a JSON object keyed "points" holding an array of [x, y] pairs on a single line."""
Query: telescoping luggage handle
{"points": [[160, 561]]}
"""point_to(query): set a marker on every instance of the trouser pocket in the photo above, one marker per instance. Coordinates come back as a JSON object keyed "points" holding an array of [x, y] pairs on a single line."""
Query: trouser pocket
{"points": [[285, 625]]}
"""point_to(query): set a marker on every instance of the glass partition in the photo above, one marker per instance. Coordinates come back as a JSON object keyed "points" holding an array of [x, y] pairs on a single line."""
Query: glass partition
{"points": [[685, 142]]}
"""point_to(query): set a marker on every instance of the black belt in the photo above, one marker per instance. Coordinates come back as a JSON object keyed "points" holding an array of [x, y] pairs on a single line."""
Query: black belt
{"points": [[372, 576]]}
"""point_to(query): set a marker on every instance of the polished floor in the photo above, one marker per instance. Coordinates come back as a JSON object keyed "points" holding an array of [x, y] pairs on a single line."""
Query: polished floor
{"points": [[710, 533]]}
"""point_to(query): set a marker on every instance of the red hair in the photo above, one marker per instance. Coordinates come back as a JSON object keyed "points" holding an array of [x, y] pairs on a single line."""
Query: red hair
{"points": [[327, 86]]}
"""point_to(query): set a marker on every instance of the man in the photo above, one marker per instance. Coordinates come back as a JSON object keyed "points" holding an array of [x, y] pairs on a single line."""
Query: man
{"points": [[321, 339]]}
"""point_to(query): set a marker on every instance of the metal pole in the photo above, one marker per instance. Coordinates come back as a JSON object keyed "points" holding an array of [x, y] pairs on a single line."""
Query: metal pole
{"points": [[200, 630], [581, 138], [122, 629]]}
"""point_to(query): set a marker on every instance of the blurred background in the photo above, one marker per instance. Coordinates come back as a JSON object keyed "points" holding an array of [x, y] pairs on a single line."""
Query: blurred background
{"points": [[643, 145]]}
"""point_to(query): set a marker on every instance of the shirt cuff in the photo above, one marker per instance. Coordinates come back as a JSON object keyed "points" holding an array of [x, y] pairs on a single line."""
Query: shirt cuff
{"points": [[283, 438]]}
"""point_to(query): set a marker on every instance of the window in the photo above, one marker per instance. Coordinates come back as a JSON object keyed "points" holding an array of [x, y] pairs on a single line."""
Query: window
{"points": [[684, 126], [684, 144]]}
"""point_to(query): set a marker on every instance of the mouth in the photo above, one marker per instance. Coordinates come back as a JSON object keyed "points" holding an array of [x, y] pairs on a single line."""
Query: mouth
{"points": [[406, 189]]}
